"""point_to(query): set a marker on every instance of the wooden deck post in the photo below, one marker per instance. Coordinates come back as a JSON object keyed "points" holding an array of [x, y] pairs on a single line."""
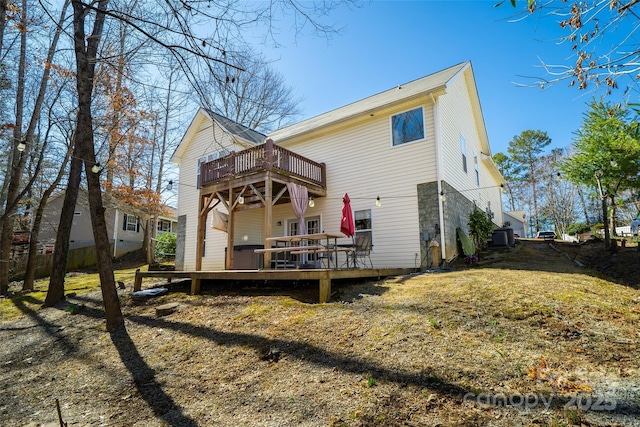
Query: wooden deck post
{"points": [[230, 235], [268, 218], [202, 219], [195, 285], [325, 290], [137, 282]]}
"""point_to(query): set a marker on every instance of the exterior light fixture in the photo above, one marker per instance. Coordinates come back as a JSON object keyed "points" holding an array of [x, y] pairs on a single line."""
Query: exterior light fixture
{"points": [[95, 168], [612, 162], [312, 202], [442, 197], [22, 146], [378, 202], [170, 185]]}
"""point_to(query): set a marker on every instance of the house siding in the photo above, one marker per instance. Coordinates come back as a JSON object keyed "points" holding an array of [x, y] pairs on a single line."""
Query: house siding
{"points": [[355, 144], [457, 118], [362, 162], [207, 140]]}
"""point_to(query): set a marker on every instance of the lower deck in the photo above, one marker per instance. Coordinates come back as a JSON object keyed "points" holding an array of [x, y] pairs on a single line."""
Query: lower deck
{"points": [[323, 276]]}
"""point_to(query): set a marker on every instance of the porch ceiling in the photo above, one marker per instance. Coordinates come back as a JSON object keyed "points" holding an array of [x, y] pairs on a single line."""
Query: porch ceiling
{"points": [[253, 189]]}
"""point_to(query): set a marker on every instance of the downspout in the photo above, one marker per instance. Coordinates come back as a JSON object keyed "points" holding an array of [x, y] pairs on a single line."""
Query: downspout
{"points": [[439, 172], [115, 233]]}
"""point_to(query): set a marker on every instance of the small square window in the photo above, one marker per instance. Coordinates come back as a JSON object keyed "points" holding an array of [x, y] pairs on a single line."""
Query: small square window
{"points": [[407, 127]]}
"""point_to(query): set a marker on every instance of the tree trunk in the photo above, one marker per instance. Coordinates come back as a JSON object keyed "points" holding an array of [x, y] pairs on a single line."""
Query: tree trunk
{"points": [[55, 293], [584, 206], [605, 219], [85, 64], [614, 216], [16, 164], [3, 22], [535, 197], [29, 278]]}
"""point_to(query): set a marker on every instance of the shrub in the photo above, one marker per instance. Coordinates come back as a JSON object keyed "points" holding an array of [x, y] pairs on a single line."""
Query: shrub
{"points": [[597, 229], [165, 245], [480, 227], [577, 228]]}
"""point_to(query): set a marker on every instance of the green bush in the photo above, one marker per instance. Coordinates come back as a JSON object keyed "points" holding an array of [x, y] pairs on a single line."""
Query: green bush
{"points": [[165, 245], [595, 228], [577, 228], [480, 227]]}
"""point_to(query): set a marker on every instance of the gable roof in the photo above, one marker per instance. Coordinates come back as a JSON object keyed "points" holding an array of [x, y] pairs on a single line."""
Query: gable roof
{"points": [[240, 133], [433, 83], [237, 129]]}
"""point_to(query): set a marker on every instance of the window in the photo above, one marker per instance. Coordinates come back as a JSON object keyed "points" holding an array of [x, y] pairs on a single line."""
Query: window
{"points": [[207, 159], [407, 127], [362, 221], [475, 166], [164, 225], [463, 148], [130, 223], [313, 226]]}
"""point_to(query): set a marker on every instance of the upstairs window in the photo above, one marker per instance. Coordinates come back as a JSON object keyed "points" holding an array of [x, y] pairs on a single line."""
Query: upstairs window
{"points": [[475, 166], [463, 148], [207, 159], [407, 127]]}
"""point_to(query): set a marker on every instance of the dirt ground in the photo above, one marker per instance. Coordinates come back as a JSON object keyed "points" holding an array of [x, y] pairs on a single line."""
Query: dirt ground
{"points": [[527, 339], [622, 266]]}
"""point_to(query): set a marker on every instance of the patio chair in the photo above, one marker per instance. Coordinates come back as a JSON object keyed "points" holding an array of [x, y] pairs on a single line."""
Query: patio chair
{"points": [[363, 251]]}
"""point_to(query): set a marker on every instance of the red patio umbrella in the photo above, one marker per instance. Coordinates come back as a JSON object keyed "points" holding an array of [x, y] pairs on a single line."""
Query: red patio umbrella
{"points": [[347, 227]]}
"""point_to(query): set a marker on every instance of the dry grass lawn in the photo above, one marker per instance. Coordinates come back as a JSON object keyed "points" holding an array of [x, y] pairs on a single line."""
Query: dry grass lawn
{"points": [[527, 340]]}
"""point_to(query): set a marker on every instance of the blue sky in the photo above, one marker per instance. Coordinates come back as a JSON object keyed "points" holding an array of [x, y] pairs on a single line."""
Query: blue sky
{"points": [[386, 43]]}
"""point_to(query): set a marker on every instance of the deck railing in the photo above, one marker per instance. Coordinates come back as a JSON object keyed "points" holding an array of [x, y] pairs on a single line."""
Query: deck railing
{"points": [[267, 156]]}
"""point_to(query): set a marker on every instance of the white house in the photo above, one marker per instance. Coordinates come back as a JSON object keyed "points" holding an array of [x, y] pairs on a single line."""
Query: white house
{"points": [[124, 229], [415, 161]]}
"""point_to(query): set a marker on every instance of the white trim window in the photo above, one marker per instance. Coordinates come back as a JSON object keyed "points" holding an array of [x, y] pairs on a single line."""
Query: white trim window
{"points": [[407, 126], [476, 168], [362, 220], [209, 158], [131, 223], [463, 148], [313, 226]]}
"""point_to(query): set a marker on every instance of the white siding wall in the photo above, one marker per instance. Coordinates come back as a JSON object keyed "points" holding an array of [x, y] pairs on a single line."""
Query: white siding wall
{"points": [[456, 118], [205, 142], [361, 162]]}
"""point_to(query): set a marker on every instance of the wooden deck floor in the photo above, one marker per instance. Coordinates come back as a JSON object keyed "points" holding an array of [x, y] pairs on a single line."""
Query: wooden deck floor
{"points": [[323, 276]]}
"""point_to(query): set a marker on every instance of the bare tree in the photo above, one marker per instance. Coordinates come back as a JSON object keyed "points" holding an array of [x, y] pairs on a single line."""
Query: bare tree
{"points": [[257, 97], [167, 25], [558, 198], [601, 36], [23, 143]]}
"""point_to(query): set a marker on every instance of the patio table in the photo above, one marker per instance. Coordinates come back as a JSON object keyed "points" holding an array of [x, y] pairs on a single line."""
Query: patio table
{"points": [[309, 243]]}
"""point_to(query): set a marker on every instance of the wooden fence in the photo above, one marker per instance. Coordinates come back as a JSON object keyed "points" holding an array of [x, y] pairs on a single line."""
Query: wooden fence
{"points": [[76, 259]]}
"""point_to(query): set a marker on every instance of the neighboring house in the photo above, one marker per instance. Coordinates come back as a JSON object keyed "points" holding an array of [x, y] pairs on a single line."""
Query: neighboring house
{"points": [[124, 229], [517, 220], [415, 161], [167, 223]]}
